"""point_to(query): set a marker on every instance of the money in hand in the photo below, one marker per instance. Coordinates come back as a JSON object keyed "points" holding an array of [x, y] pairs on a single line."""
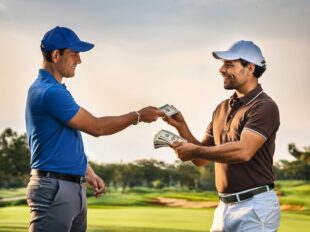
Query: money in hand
{"points": [[168, 109], [165, 138]]}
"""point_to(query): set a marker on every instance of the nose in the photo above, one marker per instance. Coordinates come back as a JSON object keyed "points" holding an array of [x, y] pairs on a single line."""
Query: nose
{"points": [[222, 69]]}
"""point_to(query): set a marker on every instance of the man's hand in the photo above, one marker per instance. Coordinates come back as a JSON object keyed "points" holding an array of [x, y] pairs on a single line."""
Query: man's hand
{"points": [[176, 120], [97, 185], [95, 182], [150, 114], [185, 151]]}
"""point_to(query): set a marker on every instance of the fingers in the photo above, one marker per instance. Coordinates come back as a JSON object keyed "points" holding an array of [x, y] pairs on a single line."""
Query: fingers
{"points": [[150, 114], [94, 185], [100, 187], [176, 144]]}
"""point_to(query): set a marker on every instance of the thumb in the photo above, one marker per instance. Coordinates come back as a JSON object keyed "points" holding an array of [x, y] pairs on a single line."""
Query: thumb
{"points": [[176, 144]]}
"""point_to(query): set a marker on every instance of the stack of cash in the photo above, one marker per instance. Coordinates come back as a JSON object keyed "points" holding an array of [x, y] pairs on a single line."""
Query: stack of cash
{"points": [[165, 138], [169, 110]]}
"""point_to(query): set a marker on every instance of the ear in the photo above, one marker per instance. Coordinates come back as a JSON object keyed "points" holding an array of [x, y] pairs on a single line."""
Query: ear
{"points": [[251, 68], [55, 55]]}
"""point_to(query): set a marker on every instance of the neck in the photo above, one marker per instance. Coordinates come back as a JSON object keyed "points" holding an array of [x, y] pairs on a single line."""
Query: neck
{"points": [[246, 88], [50, 67]]}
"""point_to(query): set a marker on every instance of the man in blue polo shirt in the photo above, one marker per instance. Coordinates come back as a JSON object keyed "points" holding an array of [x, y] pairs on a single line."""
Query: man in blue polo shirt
{"points": [[56, 190]]}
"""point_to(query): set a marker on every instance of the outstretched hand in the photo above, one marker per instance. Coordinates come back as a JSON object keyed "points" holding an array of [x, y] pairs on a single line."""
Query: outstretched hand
{"points": [[177, 120], [184, 150], [150, 114]]}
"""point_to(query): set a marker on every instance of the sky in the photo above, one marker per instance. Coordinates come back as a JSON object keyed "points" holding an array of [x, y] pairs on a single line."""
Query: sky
{"points": [[157, 52]]}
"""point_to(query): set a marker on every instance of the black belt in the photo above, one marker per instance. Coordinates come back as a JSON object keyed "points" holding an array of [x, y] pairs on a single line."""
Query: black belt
{"points": [[233, 198], [56, 175]]}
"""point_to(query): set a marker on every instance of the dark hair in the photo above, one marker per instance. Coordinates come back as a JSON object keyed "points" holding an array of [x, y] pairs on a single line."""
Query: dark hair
{"points": [[48, 55], [258, 71]]}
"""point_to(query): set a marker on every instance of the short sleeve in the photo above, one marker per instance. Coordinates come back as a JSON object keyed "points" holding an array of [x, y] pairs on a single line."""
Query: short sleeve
{"points": [[59, 103], [208, 138], [209, 131], [263, 118]]}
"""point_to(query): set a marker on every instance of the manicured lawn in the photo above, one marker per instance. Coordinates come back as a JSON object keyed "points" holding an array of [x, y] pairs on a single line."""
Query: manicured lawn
{"points": [[132, 212], [12, 192], [132, 198], [294, 193], [144, 219]]}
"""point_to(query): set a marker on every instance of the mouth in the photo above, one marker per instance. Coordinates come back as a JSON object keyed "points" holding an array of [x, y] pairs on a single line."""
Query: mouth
{"points": [[227, 77]]}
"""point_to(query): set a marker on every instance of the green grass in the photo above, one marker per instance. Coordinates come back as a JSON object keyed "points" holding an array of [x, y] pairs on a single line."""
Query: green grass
{"points": [[150, 219], [119, 199], [144, 219], [294, 193], [131, 211], [12, 192], [143, 198]]}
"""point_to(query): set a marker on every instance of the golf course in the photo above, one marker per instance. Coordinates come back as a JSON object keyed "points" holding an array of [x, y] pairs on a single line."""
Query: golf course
{"points": [[150, 210]]}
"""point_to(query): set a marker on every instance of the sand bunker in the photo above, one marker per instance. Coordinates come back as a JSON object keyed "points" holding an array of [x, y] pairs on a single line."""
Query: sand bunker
{"points": [[183, 203]]}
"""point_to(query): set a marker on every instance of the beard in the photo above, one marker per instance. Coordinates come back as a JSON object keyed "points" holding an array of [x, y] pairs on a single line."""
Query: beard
{"points": [[229, 82]]}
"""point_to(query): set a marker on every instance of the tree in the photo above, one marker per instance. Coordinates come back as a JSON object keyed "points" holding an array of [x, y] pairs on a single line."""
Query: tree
{"points": [[303, 156], [189, 175], [150, 170], [14, 159], [207, 177], [298, 169]]}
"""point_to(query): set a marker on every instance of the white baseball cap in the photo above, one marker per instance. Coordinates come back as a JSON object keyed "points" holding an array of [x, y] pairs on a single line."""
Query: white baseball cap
{"points": [[242, 49]]}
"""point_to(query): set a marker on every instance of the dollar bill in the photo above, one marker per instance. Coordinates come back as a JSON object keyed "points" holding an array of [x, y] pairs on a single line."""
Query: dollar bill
{"points": [[169, 110], [165, 138]]}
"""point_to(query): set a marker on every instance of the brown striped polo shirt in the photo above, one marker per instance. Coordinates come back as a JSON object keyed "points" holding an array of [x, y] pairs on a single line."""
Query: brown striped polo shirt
{"points": [[256, 112]]}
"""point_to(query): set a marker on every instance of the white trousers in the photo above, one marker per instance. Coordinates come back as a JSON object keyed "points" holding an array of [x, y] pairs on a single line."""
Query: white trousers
{"points": [[258, 214]]}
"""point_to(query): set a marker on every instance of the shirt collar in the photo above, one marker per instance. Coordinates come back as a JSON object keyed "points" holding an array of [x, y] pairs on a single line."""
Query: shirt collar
{"points": [[248, 98], [43, 74]]}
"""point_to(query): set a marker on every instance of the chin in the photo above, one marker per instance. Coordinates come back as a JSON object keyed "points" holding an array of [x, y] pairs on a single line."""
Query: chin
{"points": [[69, 75], [228, 87]]}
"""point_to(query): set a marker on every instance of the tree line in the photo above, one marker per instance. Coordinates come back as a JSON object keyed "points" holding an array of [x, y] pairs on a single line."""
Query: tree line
{"points": [[15, 168]]}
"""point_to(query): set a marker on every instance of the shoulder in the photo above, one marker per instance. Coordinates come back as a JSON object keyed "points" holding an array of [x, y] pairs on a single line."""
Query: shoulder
{"points": [[56, 91], [265, 102], [222, 104]]}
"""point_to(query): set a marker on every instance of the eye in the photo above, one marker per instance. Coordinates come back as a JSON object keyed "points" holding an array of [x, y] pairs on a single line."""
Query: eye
{"points": [[228, 65]]}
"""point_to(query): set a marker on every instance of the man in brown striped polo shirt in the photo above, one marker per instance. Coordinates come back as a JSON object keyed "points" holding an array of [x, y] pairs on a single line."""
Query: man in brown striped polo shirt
{"points": [[241, 141]]}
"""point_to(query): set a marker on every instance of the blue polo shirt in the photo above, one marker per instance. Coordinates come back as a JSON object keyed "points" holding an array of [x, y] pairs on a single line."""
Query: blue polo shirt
{"points": [[54, 145]]}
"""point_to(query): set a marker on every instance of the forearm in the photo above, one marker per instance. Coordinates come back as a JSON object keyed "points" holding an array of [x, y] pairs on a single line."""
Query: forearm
{"points": [[112, 124], [185, 133], [89, 171], [233, 152], [98, 126]]}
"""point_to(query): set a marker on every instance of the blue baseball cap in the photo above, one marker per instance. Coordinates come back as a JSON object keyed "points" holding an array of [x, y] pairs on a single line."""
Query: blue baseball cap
{"points": [[242, 49], [62, 37]]}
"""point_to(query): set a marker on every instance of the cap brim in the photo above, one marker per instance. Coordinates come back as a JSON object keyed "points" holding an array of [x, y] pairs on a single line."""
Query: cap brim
{"points": [[82, 46], [227, 55]]}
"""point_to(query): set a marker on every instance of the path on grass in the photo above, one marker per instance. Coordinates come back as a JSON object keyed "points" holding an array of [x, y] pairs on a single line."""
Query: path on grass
{"points": [[173, 202], [9, 199]]}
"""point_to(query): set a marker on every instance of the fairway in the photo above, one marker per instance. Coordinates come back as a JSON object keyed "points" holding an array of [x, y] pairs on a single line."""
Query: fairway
{"points": [[144, 219]]}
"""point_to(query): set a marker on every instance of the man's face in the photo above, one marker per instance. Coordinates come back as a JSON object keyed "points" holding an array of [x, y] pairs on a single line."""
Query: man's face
{"points": [[234, 74], [67, 63]]}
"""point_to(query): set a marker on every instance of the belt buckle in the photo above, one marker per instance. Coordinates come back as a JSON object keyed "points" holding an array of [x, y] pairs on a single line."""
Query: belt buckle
{"points": [[82, 180]]}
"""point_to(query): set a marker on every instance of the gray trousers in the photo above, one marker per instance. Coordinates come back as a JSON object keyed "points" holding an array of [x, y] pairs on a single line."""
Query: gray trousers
{"points": [[56, 205]]}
